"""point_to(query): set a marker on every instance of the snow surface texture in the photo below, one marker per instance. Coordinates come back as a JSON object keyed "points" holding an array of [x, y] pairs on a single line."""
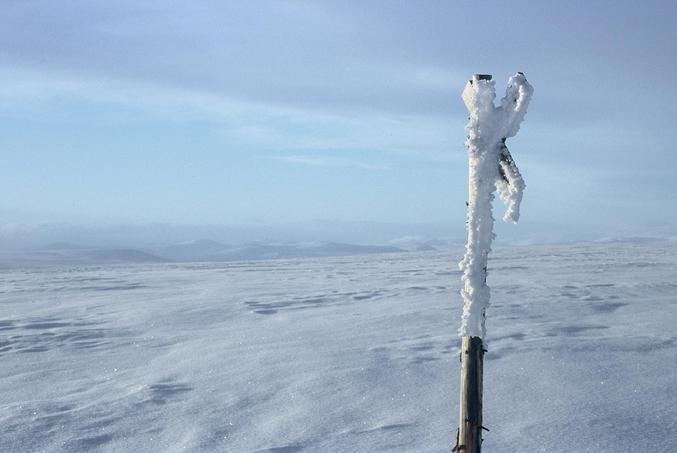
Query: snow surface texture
{"points": [[491, 167], [350, 354]]}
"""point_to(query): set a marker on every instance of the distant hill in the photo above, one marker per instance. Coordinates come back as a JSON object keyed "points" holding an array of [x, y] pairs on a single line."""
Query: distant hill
{"points": [[202, 250], [62, 246], [72, 254], [199, 250], [417, 244], [630, 239], [424, 248], [123, 256]]}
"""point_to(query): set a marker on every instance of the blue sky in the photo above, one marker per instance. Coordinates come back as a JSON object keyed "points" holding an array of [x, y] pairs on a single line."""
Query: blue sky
{"points": [[346, 113]]}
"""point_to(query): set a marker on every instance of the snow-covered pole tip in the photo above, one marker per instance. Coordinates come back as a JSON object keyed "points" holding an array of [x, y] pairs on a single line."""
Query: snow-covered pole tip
{"points": [[491, 167]]}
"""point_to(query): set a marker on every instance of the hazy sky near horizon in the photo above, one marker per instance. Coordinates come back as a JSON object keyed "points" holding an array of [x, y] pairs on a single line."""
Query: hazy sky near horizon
{"points": [[273, 112]]}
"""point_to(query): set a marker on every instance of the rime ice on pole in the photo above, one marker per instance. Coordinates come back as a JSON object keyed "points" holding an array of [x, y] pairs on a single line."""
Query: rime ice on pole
{"points": [[491, 167]]}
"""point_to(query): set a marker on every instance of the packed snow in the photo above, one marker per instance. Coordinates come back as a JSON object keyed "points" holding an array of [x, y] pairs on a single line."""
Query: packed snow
{"points": [[491, 168], [345, 354]]}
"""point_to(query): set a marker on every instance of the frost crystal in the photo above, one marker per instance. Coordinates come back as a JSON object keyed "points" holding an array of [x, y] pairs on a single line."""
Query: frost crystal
{"points": [[491, 167]]}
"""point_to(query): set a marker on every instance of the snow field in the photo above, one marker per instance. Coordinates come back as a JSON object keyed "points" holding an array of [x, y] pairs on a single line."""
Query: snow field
{"points": [[351, 354]]}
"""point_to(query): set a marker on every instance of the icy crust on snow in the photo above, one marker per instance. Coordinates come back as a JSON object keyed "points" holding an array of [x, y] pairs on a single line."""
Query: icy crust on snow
{"points": [[491, 167]]}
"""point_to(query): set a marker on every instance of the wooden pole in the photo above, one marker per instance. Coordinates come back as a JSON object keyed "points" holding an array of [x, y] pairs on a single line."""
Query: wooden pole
{"points": [[469, 435], [470, 417]]}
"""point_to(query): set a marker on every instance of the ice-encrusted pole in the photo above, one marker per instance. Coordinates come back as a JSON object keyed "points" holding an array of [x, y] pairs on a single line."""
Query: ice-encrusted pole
{"points": [[491, 167]]}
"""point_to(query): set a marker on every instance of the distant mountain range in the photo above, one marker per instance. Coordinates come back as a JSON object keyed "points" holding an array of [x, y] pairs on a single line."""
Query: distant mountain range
{"points": [[203, 250], [207, 250]]}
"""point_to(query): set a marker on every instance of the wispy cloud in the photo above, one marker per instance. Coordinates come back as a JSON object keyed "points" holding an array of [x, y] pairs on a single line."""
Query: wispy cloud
{"points": [[233, 51], [328, 161], [239, 123]]}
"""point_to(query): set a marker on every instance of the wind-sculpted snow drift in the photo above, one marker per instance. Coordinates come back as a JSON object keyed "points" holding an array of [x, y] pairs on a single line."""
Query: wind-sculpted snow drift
{"points": [[491, 168], [348, 354]]}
